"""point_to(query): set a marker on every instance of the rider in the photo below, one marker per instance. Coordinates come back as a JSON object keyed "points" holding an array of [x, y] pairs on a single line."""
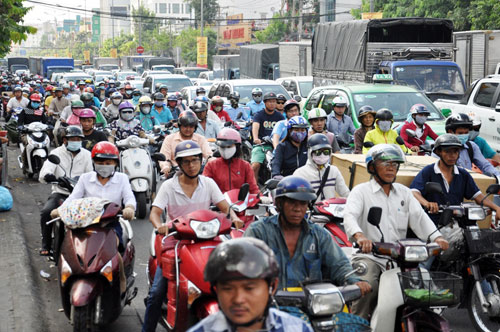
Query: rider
{"points": [[304, 249], [185, 192], [92, 136], [256, 105], [90, 102], [200, 92], [128, 92], [318, 166], [163, 89], [291, 153], [262, 126], [460, 125], [33, 112], [136, 95], [17, 101], [317, 119], [217, 107], [111, 111], [71, 115], [126, 125], [206, 127], [160, 111], [49, 95], [235, 109], [147, 120], [339, 123], [400, 210], [483, 145], [280, 104], [279, 132], [419, 114], [366, 119], [111, 85], [229, 171], [382, 134], [74, 161], [58, 103], [243, 273]]}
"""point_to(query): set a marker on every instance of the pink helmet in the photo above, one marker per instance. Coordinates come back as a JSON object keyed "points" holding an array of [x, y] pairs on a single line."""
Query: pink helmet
{"points": [[87, 113], [228, 137]]}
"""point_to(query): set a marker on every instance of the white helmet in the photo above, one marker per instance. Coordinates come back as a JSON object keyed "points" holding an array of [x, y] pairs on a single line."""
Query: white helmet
{"points": [[339, 101], [316, 113]]}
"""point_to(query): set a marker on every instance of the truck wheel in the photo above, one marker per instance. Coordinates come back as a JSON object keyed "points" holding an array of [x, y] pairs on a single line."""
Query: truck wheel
{"points": [[142, 205]]}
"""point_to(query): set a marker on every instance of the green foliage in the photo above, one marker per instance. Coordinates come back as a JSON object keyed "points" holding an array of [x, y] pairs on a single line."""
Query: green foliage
{"points": [[187, 41], [274, 32], [484, 14], [11, 15], [147, 20], [210, 10]]}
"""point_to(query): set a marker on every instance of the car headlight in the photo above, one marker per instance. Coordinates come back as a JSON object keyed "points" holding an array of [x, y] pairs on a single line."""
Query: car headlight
{"points": [[416, 254], [323, 299], [205, 229], [476, 213]]}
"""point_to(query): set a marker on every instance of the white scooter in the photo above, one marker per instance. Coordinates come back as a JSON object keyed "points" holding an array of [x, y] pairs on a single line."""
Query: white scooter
{"points": [[135, 161], [37, 149]]}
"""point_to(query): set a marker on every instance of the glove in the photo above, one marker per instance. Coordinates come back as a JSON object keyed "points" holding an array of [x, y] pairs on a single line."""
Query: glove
{"points": [[54, 213], [50, 178], [266, 200], [152, 141], [128, 213]]}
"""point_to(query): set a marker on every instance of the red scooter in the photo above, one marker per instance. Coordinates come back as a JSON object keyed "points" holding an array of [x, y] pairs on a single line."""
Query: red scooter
{"points": [[330, 212], [90, 267]]}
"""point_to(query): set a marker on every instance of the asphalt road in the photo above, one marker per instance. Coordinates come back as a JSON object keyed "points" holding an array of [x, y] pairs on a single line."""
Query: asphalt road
{"points": [[33, 195]]}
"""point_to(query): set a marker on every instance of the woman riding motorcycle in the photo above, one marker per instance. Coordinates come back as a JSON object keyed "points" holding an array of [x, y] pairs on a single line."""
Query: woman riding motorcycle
{"points": [[366, 117], [126, 125], [147, 120]]}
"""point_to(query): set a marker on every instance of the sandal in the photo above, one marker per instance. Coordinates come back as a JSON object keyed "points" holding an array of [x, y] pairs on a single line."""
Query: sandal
{"points": [[44, 252]]}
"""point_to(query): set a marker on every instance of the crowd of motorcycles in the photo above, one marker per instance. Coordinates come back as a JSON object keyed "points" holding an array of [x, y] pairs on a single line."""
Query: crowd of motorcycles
{"points": [[94, 291]]}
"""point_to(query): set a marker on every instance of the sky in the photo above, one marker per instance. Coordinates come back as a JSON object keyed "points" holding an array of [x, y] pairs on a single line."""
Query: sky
{"points": [[41, 13]]}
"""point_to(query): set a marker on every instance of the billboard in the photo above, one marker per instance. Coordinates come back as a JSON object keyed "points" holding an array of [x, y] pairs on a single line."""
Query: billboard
{"points": [[96, 28], [202, 51], [235, 33]]}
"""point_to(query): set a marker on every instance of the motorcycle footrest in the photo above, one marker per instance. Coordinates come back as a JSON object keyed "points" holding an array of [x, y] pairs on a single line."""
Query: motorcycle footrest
{"points": [[131, 296]]}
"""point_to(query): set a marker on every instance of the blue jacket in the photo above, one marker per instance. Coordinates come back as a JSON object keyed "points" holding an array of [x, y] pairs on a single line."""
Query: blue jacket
{"points": [[287, 158], [254, 107]]}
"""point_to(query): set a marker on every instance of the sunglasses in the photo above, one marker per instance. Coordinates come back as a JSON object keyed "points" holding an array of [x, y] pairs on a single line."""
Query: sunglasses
{"points": [[127, 112], [325, 152], [281, 102]]}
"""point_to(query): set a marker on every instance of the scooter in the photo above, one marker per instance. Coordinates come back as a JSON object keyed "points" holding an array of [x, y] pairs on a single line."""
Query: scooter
{"points": [[330, 213], [37, 149], [408, 307], [135, 161], [425, 148], [90, 267]]}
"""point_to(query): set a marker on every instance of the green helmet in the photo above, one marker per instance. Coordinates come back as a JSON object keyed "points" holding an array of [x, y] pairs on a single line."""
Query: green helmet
{"points": [[77, 104]]}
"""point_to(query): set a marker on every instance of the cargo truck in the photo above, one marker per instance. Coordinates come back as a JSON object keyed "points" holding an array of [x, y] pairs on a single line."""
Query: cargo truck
{"points": [[46, 66], [130, 61], [154, 61], [17, 63], [410, 51], [259, 61], [295, 58], [108, 64], [226, 67]]}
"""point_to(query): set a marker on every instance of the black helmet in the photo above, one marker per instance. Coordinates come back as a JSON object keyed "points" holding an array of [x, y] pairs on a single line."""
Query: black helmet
{"points": [[384, 114], [459, 120], [317, 142], [199, 107], [281, 97], [74, 131], [241, 258], [158, 96], [447, 141], [86, 96], [364, 110], [200, 90], [269, 96], [188, 118], [384, 152], [295, 187], [234, 95]]}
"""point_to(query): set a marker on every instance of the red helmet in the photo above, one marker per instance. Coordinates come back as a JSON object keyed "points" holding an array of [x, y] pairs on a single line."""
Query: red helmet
{"points": [[87, 113], [88, 89], [105, 150], [35, 97], [49, 88], [228, 137]]}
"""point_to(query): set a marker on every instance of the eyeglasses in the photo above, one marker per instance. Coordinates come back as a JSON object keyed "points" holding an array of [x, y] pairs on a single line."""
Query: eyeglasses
{"points": [[281, 103], [127, 112], [185, 162], [393, 164], [325, 152]]}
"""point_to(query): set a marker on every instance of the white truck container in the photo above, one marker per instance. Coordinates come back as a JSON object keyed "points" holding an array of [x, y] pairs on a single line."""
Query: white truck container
{"points": [[295, 58]]}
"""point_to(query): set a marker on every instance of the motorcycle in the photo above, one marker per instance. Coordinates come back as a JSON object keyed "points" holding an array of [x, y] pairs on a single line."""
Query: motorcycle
{"points": [[330, 213], [37, 149], [244, 128], [266, 167], [135, 161], [473, 253], [90, 266], [408, 307], [425, 148]]}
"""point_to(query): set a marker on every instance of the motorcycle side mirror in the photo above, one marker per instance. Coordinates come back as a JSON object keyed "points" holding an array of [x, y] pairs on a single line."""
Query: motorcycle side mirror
{"points": [[445, 217], [156, 129], [240, 114], [228, 124], [244, 190], [493, 189], [374, 215], [54, 159], [368, 144], [99, 125], [433, 188], [297, 98], [411, 133], [64, 124], [400, 140], [216, 154], [271, 184], [158, 157]]}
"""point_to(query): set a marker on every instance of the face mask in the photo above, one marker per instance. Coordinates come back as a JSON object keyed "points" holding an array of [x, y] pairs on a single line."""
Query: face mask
{"points": [[127, 116], [136, 98], [321, 159], [298, 136], [128, 92], [116, 102], [257, 99], [76, 111], [74, 146], [179, 102], [104, 171], [227, 153], [463, 138], [384, 125], [159, 103], [420, 119], [35, 105], [473, 134], [218, 108], [146, 110], [234, 104]]}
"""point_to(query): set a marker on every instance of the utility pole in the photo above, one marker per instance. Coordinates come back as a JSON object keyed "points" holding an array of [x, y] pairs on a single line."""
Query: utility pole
{"points": [[293, 15], [299, 29], [201, 12], [372, 9], [113, 22], [140, 21]]}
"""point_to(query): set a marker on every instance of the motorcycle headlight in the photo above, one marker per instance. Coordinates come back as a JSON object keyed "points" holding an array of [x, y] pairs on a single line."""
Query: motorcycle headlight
{"points": [[134, 142], [476, 213], [323, 299], [37, 134], [205, 229], [416, 254], [337, 210], [137, 164]]}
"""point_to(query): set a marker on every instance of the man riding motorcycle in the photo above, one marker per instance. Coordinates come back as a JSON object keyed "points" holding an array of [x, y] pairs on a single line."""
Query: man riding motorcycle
{"points": [[160, 111], [317, 119], [419, 114], [279, 133], [92, 136], [111, 112], [126, 125], [339, 123], [206, 127], [235, 109], [256, 105]]}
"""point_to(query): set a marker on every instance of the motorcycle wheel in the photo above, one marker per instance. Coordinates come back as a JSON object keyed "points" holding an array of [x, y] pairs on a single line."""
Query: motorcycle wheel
{"points": [[142, 206], [83, 320], [483, 322], [246, 154]]}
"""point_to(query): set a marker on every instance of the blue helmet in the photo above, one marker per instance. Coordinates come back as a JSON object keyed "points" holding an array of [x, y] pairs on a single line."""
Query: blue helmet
{"points": [[202, 99], [297, 122], [186, 149], [295, 187]]}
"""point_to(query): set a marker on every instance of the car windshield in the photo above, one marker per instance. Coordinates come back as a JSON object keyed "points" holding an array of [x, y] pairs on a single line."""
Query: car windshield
{"points": [[174, 84], [124, 74], [108, 67], [136, 84], [99, 78], [76, 78], [246, 91], [193, 73], [169, 68], [305, 88], [398, 102], [431, 79]]}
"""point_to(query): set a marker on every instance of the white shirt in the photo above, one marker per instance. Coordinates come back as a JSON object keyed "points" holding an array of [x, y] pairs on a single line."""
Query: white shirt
{"points": [[116, 190], [14, 103], [399, 210], [172, 197]]}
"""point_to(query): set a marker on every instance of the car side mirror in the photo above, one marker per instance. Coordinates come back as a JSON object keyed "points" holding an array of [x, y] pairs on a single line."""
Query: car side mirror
{"points": [[297, 98], [497, 107], [54, 159], [374, 215], [433, 188], [411, 133], [244, 190]]}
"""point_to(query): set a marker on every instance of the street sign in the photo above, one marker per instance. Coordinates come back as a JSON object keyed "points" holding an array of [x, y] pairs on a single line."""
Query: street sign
{"points": [[140, 49]]}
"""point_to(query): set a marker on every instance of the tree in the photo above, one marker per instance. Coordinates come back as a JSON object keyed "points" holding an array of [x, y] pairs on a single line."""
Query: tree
{"points": [[484, 14], [274, 32], [146, 21], [186, 40], [210, 10], [11, 15]]}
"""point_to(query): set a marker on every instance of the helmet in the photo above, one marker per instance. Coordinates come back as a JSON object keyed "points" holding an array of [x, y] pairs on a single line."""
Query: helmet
{"points": [[18, 88], [295, 187], [281, 97], [241, 258], [256, 91], [172, 97], [105, 150], [290, 103], [186, 149], [364, 110], [27, 89], [145, 100], [116, 95], [65, 86], [269, 96], [77, 104], [200, 90], [217, 100], [447, 141], [82, 83], [35, 97], [234, 95], [158, 96], [202, 98], [384, 114], [228, 137], [419, 109], [111, 82], [136, 92], [188, 118], [88, 89], [384, 152], [86, 96], [128, 87], [339, 101], [163, 86], [316, 113], [297, 122], [199, 107], [49, 88], [317, 142], [88, 80], [178, 95], [86, 113], [460, 120], [125, 105], [74, 131]]}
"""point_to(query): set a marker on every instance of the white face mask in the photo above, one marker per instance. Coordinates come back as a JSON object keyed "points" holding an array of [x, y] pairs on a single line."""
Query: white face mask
{"points": [[420, 119], [116, 102], [227, 153], [321, 159], [104, 171], [384, 125], [146, 110]]}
